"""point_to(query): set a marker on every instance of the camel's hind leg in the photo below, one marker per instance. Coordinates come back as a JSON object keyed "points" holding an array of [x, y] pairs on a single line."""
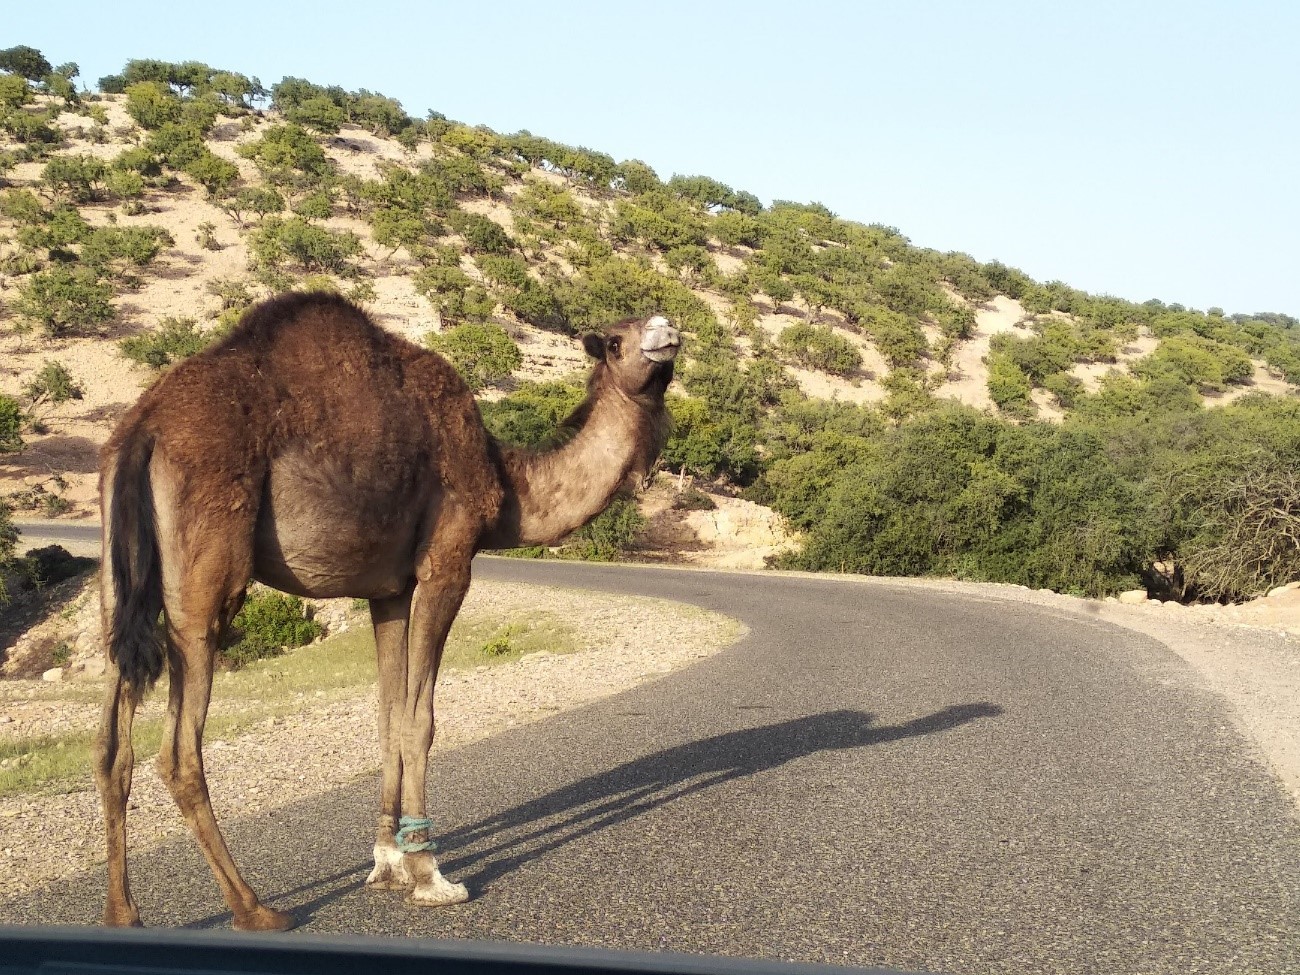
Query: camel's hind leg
{"points": [[114, 762], [199, 606]]}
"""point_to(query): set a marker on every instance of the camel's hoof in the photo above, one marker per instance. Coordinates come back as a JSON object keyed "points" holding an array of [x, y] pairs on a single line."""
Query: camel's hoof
{"points": [[124, 918], [439, 892], [388, 877], [263, 919], [390, 871]]}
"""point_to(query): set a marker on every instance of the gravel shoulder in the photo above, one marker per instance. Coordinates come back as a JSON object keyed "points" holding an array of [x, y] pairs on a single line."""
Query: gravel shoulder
{"points": [[623, 641]]}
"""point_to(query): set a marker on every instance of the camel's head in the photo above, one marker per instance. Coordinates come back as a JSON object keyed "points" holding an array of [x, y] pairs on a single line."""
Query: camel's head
{"points": [[637, 354]]}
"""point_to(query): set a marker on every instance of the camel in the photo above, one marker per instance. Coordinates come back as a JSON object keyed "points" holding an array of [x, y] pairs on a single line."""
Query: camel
{"points": [[314, 452]]}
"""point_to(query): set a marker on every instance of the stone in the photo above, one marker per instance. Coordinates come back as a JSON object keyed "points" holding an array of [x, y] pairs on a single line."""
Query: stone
{"points": [[1133, 597], [53, 675], [95, 667]]}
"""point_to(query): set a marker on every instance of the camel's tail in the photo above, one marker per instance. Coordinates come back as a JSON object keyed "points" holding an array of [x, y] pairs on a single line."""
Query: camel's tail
{"points": [[133, 566]]}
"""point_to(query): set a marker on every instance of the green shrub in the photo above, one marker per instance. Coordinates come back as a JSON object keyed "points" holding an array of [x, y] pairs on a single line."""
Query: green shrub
{"points": [[176, 339], [818, 347], [14, 92], [124, 184], [214, 174], [32, 130], [1009, 387], [482, 236], [62, 301], [120, 248], [693, 499], [258, 200], [499, 644], [452, 292], [78, 178], [52, 384], [12, 419], [530, 416], [268, 624], [287, 154], [311, 247], [510, 271], [483, 353], [609, 535], [1199, 362]]}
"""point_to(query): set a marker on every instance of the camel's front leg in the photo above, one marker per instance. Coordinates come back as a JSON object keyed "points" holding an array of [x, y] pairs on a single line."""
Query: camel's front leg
{"points": [[389, 618], [442, 583]]}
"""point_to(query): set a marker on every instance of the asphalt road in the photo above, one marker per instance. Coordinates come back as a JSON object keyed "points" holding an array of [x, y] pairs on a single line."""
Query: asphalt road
{"points": [[78, 537], [876, 775]]}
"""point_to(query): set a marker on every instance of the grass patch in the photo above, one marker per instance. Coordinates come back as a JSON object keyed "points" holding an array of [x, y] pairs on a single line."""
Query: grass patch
{"points": [[309, 676]]}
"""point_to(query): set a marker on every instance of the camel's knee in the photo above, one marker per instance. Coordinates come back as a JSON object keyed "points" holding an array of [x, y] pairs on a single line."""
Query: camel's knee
{"points": [[112, 765], [183, 776]]}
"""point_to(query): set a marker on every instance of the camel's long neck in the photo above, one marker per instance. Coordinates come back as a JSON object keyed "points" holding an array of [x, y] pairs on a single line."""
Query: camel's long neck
{"points": [[549, 495]]}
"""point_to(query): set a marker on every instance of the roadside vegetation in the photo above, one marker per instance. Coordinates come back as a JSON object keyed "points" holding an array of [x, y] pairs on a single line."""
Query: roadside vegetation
{"points": [[263, 680]]}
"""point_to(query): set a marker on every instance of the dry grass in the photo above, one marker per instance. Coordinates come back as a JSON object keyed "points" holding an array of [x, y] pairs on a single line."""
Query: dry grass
{"points": [[309, 676]]}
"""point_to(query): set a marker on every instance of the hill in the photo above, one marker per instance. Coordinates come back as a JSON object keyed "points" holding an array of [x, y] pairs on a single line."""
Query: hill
{"points": [[909, 411]]}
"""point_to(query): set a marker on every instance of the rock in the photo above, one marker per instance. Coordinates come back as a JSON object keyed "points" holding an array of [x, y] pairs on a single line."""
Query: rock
{"points": [[53, 675], [1282, 590], [94, 667], [1133, 597]]}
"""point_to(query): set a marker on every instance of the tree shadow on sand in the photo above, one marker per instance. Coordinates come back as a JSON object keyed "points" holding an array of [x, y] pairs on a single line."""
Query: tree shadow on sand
{"points": [[495, 845]]}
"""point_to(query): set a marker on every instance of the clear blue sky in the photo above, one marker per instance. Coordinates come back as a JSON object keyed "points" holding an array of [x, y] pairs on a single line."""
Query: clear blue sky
{"points": [[1142, 149]]}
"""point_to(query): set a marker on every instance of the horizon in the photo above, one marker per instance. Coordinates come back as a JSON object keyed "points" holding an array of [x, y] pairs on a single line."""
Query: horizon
{"points": [[1136, 153]]}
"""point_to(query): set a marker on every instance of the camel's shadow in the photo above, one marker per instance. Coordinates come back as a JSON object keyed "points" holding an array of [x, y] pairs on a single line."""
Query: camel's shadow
{"points": [[481, 852]]}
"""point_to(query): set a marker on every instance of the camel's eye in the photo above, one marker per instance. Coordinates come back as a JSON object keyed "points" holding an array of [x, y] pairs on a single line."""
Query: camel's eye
{"points": [[615, 346]]}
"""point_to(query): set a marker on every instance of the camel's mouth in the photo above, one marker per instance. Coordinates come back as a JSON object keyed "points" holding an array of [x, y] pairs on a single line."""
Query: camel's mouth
{"points": [[660, 342]]}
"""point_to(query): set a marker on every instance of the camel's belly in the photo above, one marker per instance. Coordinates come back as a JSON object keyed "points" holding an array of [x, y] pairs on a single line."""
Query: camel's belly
{"points": [[320, 535]]}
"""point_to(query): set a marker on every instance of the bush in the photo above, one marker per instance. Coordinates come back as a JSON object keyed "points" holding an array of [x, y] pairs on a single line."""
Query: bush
{"points": [[1245, 531], [693, 499], [482, 236], [176, 339], [152, 104], [259, 200], [65, 302], [607, 536], [1203, 363], [214, 174], [818, 347], [1009, 387], [509, 271], [27, 128], [78, 178], [313, 248], [12, 418], [481, 352], [268, 624], [119, 248], [453, 294], [51, 385], [287, 154], [14, 92]]}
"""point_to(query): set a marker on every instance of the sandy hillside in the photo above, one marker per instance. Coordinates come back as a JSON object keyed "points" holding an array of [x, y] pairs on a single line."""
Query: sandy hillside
{"points": [[180, 283]]}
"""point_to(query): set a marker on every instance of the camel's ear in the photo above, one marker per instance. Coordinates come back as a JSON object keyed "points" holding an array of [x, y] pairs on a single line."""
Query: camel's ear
{"points": [[595, 346]]}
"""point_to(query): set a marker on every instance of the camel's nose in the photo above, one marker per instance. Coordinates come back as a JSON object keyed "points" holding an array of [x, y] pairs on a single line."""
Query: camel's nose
{"points": [[660, 342]]}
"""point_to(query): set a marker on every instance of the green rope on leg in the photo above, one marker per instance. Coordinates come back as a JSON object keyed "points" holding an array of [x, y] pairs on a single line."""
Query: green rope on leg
{"points": [[409, 825]]}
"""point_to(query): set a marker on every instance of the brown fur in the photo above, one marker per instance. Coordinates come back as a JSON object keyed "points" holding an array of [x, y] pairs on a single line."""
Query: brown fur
{"points": [[315, 452]]}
